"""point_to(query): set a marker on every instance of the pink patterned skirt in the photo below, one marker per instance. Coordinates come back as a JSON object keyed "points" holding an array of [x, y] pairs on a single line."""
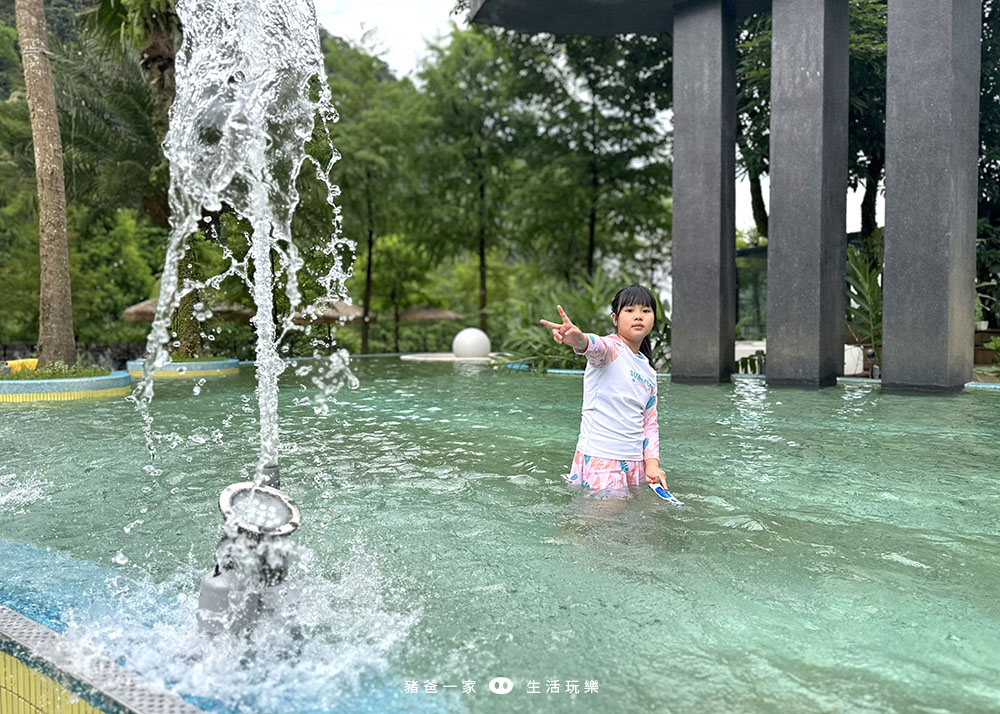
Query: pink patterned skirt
{"points": [[599, 474]]}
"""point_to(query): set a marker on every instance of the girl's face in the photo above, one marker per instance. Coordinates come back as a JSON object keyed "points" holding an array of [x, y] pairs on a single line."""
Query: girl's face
{"points": [[634, 321]]}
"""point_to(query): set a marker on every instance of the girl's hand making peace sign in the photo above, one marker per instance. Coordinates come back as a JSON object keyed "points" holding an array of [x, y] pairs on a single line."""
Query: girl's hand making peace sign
{"points": [[566, 332]]}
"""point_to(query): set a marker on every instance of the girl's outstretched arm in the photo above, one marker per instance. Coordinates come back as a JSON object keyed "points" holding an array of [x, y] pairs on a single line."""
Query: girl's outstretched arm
{"points": [[598, 350]]}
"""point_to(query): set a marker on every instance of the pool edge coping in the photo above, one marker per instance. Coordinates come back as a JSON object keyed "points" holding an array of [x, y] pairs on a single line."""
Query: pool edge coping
{"points": [[103, 684]]}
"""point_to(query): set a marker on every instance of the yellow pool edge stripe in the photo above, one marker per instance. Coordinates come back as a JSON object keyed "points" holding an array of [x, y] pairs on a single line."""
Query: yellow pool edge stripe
{"points": [[65, 396], [25, 689], [172, 374]]}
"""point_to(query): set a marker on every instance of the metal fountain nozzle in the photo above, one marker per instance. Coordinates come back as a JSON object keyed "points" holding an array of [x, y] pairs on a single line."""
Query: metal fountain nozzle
{"points": [[270, 475], [250, 558], [259, 511]]}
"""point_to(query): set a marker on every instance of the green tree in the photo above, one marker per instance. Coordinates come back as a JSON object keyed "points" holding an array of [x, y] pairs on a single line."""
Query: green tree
{"points": [[112, 259], [866, 130], [988, 243], [593, 180], [154, 25], [108, 113], [394, 282], [11, 74], [466, 156], [376, 112], [613, 127], [753, 101], [866, 114]]}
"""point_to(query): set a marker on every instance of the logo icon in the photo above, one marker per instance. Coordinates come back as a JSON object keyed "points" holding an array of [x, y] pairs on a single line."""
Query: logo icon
{"points": [[501, 685]]}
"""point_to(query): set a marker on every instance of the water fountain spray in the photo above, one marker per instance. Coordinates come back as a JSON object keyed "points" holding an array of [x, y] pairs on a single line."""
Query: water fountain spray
{"points": [[251, 91]]}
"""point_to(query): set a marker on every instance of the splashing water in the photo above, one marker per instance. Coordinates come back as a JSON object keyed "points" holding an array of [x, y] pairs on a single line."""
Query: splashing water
{"points": [[251, 92], [328, 646]]}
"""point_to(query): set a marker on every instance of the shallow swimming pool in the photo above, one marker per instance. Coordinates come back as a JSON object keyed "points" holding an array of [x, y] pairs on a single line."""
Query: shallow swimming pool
{"points": [[839, 551]]}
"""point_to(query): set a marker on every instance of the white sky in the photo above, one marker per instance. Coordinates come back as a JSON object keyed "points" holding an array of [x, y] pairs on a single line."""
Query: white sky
{"points": [[403, 29]]}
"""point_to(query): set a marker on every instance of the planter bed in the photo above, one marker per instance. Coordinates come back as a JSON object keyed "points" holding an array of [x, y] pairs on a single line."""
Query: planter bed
{"points": [[116, 384], [186, 370]]}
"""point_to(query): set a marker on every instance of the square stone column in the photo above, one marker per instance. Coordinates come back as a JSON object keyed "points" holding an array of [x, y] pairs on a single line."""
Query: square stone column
{"points": [[806, 247], [704, 221], [932, 148]]}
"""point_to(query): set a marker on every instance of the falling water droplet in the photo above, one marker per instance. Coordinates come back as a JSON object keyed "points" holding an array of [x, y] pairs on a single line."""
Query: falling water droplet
{"points": [[120, 559]]}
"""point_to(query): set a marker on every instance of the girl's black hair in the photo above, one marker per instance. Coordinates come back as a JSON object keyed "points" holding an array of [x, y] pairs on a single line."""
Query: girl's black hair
{"points": [[637, 295]]}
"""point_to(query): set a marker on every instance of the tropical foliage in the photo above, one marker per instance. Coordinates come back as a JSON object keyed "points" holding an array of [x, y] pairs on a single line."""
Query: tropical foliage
{"points": [[589, 307], [511, 173], [864, 301]]}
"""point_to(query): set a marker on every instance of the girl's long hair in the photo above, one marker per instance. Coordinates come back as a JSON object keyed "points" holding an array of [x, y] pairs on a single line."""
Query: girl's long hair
{"points": [[637, 295]]}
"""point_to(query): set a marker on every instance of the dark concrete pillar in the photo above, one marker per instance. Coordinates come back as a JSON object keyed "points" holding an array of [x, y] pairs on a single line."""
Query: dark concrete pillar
{"points": [[932, 129], [704, 272], [807, 228]]}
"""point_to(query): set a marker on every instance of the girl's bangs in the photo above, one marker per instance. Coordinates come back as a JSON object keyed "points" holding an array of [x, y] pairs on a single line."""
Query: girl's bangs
{"points": [[635, 295]]}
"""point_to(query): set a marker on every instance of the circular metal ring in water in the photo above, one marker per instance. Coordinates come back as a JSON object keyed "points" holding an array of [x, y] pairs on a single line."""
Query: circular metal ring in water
{"points": [[260, 510]]}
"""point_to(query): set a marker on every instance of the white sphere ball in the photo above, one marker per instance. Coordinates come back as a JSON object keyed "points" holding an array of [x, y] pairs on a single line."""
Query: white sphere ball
{"points": [[471, 342]]}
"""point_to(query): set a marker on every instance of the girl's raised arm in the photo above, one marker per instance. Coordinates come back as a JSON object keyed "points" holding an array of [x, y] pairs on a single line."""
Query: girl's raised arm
{"points": [[598, 350], [566, 333]]}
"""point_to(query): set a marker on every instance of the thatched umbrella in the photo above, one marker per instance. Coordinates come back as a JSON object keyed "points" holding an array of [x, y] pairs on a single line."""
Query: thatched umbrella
{"points": [[333, 313], [145, 311], [423, 313], [428, 314], [340, 313], [141, 312]]}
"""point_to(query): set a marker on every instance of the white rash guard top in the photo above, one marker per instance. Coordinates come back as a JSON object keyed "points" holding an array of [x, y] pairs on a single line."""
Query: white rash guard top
{"points": [[619, 402]]}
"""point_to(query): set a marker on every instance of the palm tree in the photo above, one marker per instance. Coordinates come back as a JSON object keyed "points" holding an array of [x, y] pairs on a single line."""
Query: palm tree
{"points": [[56, 341], [154, 23], [107, 111]]}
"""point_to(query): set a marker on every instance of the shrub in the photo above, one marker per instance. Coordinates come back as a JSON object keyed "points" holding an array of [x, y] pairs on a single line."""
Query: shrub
{"points": [[59, 370], [588, 306]]}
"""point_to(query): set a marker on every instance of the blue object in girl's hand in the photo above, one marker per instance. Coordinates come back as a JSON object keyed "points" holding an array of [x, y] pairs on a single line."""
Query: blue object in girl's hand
{"points": [[666, 495]]}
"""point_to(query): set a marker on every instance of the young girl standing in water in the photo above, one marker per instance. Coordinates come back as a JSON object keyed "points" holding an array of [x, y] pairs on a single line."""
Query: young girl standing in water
{"points": [[619, 444]]}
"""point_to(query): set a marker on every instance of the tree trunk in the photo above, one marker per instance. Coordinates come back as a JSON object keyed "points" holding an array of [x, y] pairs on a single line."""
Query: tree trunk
{"points": [[395, 321], [594, 185], [482, 245], [868, 201], [592, 220], [368, 268], [56, 342], [185, 324], [757, 203]]}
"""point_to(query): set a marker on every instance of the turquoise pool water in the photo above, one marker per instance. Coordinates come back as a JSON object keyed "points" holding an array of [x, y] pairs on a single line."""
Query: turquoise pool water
{"points": [[840, 550]]}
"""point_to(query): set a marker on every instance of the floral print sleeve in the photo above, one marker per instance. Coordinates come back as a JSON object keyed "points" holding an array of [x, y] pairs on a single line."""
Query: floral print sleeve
{"points": [[650, 429], [600, 351]]}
